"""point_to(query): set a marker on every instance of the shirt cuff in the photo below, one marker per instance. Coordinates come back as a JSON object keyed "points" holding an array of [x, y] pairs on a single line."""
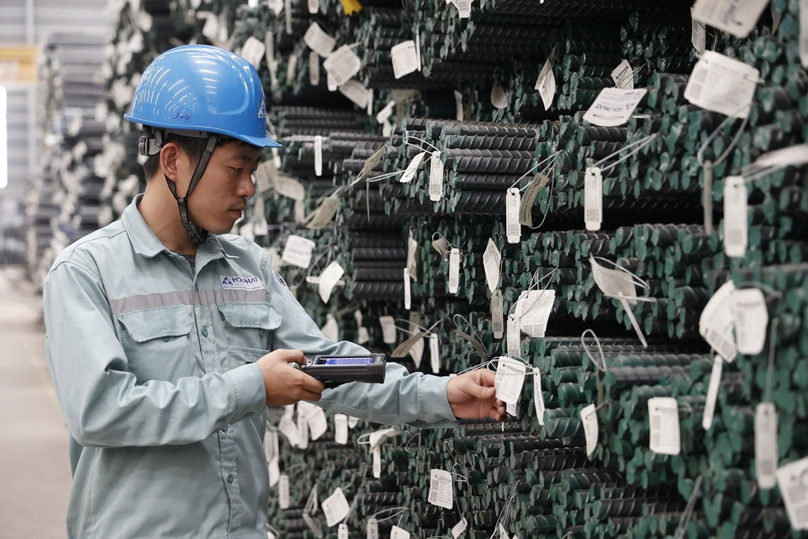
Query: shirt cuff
{"points": [[249, 390], [434, 400]]}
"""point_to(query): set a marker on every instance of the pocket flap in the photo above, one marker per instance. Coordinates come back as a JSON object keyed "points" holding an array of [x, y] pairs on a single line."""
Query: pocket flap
{"points": [[155, 323], [250, 315]]}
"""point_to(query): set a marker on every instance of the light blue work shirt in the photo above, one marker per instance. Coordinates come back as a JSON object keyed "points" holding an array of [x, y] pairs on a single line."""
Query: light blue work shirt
{"points": [[154, 369]]}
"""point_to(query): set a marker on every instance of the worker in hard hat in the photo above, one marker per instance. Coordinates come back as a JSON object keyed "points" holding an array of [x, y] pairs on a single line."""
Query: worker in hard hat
{"points": [[167, 337]]}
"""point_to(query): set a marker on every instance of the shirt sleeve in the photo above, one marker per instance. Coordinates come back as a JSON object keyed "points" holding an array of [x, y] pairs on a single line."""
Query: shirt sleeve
{"points": [[418, 399], [99, 397]]}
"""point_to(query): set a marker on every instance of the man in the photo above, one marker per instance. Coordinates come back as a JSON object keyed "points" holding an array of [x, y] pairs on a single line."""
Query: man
{"points": [[163, 363]]}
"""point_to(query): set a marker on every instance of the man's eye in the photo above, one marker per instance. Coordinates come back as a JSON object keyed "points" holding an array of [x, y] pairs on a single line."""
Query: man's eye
{"points": [[238, 170]]}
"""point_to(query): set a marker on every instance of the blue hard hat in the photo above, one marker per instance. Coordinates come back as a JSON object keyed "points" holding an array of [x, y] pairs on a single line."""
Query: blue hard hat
{"points": [[202, 88]]}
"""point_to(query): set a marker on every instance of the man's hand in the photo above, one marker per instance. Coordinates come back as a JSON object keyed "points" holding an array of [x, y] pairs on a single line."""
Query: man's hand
{"points": [[284, 383], [472, 396]]}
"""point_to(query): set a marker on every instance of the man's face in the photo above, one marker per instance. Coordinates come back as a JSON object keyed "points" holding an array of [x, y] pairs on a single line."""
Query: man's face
{"points": [[221, 194]]}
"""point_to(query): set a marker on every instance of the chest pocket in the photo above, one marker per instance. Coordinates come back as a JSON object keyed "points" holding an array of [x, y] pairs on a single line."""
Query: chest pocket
{"points": [[158, 343], [248, 330]]}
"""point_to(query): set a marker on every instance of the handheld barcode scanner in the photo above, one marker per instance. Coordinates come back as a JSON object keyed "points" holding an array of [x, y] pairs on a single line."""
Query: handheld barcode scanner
{"points": [[333, 371]]}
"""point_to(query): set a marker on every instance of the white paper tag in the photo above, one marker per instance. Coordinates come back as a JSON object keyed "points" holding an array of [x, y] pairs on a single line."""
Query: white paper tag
{"points": [[409, 173], [417, 349], [386, 112], [404, 58], [434, 353], [341, 429], [330, 330], [435, 177], [412, 253], [698, 35], [314, 6], [297, 251], [377, 438], [330, 82], [538, 396], [663, 415], [388, 324], [513, 227], [454, 270], [499, 96], [343, 64], [314, 68], [315, 529], [302, 431], [335, 508], [319, 41], [289, 430], [329, 278], [342, 532], [623, 76], [318, 155], [614, 283], [459, 528], [589, 417], [736, 17], [274, 472], [356, 92], [793, 155], [377, 463], [311, 502], [712, 393], [804, 33], [289, 187], [766, 456], [291, 69], [509, 380], [440, 489], [723, 85], [352, 421], [593, 198], [546, 85], [533, 309], [463, 8], [283, 491], [369, 108], [750, 318], [363, 335], [407, 290], [735, 220], [793, 482], [613, 106], [253, 51], [514, 336], [271, 445], [503, 533], [716, 322], [497, 315], [372, 528], [398, 533], [458, 106]]}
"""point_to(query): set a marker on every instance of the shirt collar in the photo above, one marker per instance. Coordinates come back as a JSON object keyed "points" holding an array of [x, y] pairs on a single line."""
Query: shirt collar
{"points": [[146, 242]]}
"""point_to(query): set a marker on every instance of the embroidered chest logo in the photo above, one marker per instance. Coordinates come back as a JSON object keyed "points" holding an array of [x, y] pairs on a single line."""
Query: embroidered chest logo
{"points": [[240, 283]]}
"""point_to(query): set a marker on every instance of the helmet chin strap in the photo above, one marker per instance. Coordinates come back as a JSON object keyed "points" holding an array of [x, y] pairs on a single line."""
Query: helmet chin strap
{"points": [[198, 235]]}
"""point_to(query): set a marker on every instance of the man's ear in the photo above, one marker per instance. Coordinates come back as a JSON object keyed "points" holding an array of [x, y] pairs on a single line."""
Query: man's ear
{"points": [[169, 156]]}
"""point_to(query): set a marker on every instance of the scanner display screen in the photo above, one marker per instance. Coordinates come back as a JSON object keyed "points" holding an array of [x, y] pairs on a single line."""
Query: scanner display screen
{"points": [[348, 361]]}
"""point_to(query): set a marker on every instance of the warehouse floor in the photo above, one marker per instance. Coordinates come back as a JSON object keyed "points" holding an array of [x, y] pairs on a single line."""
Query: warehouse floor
{"points": [[34, 464]]}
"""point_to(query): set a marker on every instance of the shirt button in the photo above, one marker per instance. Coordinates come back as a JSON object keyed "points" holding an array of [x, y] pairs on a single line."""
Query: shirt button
{"points": [[230, 478], [204, 332], [166, 339]]}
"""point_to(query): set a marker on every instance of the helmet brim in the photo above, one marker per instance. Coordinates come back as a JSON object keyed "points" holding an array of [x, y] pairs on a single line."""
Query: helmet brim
{"points": [[260, 142]]}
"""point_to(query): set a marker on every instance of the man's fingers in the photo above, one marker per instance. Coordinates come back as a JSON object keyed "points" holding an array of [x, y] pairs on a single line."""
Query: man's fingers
{"points": [[291, 356], [307, 383], [487, 378], [309, 396], [476, 390]]}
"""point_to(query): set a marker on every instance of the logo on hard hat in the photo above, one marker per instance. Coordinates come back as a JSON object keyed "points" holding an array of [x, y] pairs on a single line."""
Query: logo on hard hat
{"points": [[262, 112]]}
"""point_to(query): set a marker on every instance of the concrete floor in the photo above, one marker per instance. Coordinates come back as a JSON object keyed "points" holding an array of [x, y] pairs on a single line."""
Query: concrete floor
{"points": [[34, 464]]}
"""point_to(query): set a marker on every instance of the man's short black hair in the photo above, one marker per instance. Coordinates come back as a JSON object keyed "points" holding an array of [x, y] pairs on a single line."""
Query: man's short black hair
{"points": [[192, 146]]}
